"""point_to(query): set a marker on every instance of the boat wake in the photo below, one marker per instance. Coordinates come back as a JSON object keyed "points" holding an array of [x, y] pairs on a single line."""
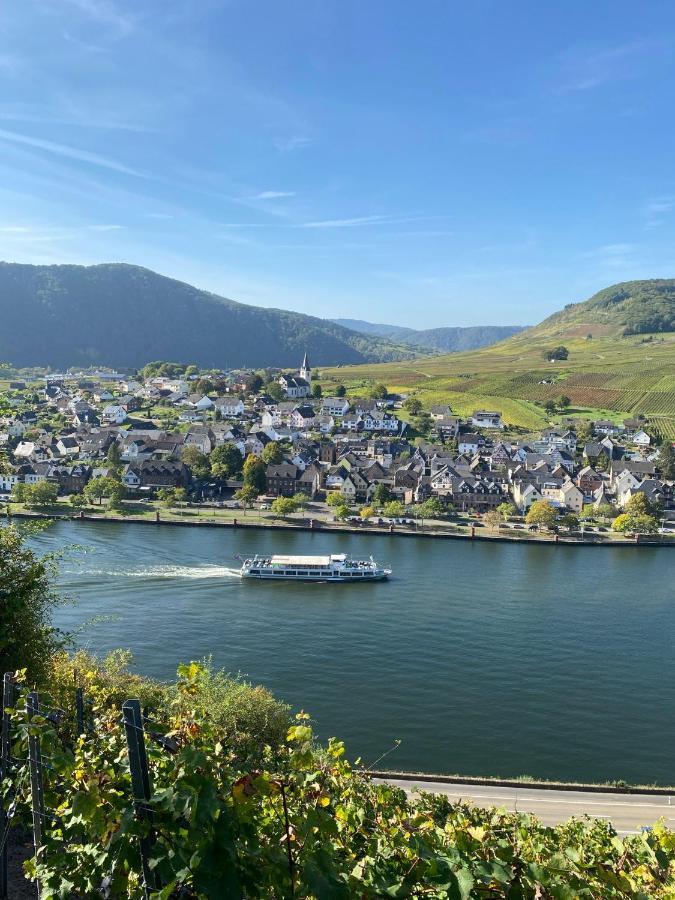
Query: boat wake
{"points": [[196, 572]]}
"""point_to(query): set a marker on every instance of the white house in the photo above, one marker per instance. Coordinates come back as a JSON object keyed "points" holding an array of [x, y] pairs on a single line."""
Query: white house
{"points": [[524, 495], [641, 438], [334, 406], [203, 404], [469, 443], [482, 418], [24, 449], [7, 482], [230, 406], [114, 414]]}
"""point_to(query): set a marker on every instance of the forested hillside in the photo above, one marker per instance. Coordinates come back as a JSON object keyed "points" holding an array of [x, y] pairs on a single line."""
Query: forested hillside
{"points": [[444, 340], [122, 315]]}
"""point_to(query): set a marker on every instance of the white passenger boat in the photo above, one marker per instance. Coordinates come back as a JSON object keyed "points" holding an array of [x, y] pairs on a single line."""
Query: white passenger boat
{"points": [[337, 567]]}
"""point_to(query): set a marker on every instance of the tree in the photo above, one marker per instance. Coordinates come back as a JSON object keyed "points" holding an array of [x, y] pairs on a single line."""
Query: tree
{"points": [[492, 519], [422, 422], [541, 513], [104, 486], [381, 494], [196, 461], [394, 509], [432, 508], [317, 391], [284, 506], [171, 496], [225, 461], [549, 407], [272, 454], [570, 521], [623, 524], [556, 353], [246, 495], [300, 499], [335, 499], [114, 457], [667, 461], [20, 492], [506, 510], [42, 493], [367, 512], [638, 505], [27, 638], [77, 501], [340, 390], [275, 391], [606, 511], [563, 402], [584, 431], [378, 392], [204, 386], [254, 473], [413, 405], [253, 383], [342, 511], [645, 524]]}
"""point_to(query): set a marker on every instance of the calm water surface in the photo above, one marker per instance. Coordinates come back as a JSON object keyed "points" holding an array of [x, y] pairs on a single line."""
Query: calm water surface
{"points": [[481, 658]]}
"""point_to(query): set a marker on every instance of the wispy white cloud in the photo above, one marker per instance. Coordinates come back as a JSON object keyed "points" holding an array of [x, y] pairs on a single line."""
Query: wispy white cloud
{"points": [[292, 142], [272, 195], [656, 211], [105, 12], [83, 45], [162, 216], [583, 69], [74, 153], [612, 256], [360, 221], [106, 227]]}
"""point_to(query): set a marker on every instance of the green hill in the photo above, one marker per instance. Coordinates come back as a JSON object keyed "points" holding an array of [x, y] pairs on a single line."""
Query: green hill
{"points": [[632, 307], [122, 315], [614, 368]]}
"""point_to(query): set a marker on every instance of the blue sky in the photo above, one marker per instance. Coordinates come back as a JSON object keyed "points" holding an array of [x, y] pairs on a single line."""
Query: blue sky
{"points": [[425, 164]]}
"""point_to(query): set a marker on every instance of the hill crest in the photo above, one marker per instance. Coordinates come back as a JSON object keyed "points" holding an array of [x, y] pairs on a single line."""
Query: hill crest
{"points": [[124, 315]]}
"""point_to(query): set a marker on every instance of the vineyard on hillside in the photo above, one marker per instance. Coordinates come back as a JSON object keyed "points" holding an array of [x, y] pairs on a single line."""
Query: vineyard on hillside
{"points": [[165, 802]]}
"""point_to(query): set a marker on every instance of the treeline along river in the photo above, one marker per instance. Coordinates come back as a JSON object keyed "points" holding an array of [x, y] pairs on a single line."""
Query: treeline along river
{"points": [[481, 658]]}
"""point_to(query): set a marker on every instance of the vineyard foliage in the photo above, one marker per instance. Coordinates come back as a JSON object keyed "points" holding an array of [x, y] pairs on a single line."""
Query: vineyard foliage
{"points": [[611, 369], [239, 819]]}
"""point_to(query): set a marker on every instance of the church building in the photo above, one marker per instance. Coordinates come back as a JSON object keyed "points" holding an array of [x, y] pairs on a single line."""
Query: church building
{"points": [[300, 384]]}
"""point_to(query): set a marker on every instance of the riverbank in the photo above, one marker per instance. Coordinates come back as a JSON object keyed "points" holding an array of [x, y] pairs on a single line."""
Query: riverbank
{"points": [[216, 518]]}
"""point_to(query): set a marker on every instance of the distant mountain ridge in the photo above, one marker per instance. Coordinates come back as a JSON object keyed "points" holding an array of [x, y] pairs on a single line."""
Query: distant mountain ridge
{"points": [[444, 340], [122, 315]]}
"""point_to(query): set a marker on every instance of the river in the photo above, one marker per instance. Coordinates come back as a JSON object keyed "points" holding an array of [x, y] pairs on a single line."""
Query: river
{"points": [[482, 658]]}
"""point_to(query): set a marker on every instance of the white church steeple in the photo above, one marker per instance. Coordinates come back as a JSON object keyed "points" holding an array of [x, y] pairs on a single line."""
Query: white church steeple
{"points": [[305, 370]]}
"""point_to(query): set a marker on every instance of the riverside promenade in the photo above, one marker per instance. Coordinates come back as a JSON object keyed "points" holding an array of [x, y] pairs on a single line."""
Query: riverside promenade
{"points": [[459, 529]]}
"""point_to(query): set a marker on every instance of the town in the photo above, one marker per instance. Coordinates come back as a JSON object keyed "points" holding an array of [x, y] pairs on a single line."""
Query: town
{"points": [[172, 437]]}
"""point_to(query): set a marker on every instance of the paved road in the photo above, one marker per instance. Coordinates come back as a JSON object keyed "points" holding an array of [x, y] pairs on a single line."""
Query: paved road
{"points": [[627, 812]]}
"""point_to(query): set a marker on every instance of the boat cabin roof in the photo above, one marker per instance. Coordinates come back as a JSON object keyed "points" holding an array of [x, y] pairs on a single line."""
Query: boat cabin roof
{"points": [[301, 560]]}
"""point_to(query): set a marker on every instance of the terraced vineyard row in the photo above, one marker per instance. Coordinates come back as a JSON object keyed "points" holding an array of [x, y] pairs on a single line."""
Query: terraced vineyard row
{"points": [[664, 427]]}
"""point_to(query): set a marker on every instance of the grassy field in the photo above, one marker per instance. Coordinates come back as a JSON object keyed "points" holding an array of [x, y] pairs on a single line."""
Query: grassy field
{"points": [[606, 376]]}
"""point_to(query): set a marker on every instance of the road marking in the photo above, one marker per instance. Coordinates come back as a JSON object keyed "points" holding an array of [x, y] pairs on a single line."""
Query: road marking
{"points": [[527, 798]]}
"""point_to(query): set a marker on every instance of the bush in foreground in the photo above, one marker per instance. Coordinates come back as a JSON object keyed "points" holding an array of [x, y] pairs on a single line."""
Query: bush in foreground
{"points": [[297, 821]]}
